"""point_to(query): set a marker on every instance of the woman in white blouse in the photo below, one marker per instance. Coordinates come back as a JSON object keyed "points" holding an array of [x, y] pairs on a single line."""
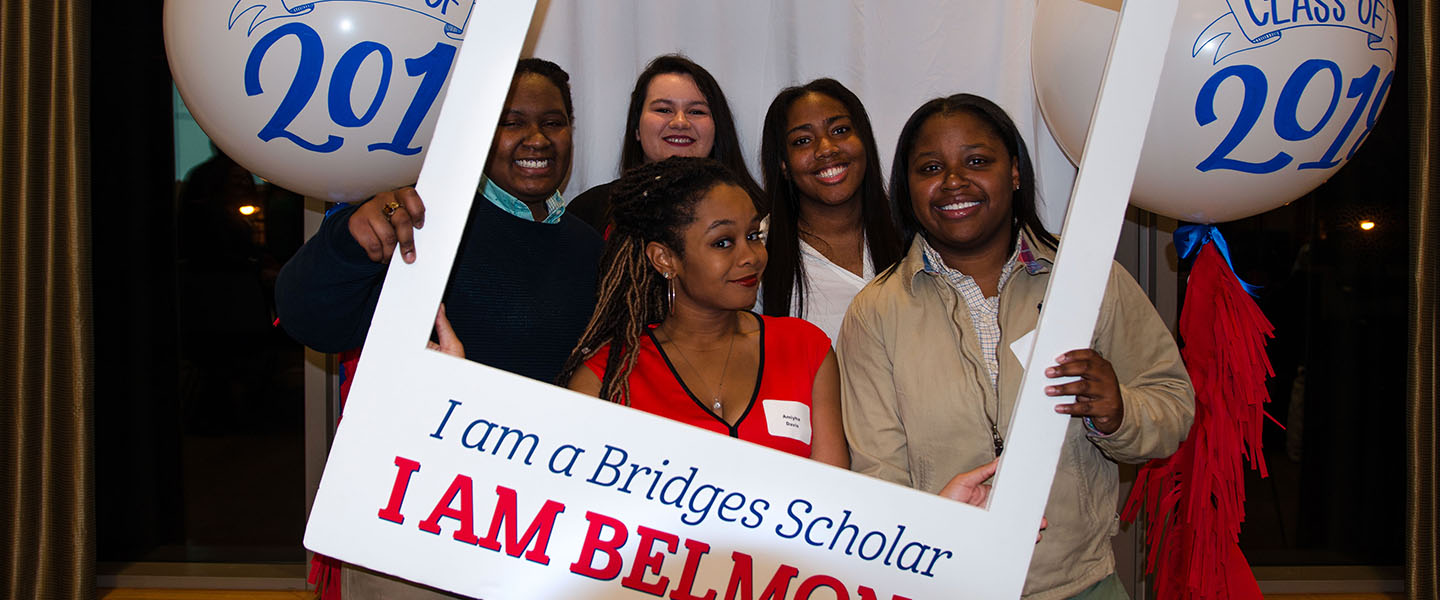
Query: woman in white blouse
{"points": [[831, 227]]}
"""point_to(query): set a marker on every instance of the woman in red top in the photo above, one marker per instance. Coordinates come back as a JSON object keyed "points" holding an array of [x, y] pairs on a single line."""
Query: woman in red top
{"points": [[672, 333], [679, 273]]}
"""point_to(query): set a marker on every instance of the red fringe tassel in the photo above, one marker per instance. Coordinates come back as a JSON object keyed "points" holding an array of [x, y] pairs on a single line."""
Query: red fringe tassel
{"points": [[325, 576], [325, 571], [1194, 501]]}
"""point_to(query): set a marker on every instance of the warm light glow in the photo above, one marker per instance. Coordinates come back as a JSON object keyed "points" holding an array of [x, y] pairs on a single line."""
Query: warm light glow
{"points": [[1367, 225], [247, 210]]}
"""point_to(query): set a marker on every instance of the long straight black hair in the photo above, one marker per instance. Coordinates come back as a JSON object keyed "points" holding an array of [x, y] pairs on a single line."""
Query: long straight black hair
{"points": [[726, 148], [785, 271], [995, 118]]}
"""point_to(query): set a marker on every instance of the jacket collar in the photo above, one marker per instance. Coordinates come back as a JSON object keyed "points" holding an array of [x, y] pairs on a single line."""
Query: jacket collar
{"points": [[1036, 257]]}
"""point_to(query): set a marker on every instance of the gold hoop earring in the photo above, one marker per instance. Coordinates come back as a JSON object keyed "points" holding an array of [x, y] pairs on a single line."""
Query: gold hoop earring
{"points": [[670, 302]]}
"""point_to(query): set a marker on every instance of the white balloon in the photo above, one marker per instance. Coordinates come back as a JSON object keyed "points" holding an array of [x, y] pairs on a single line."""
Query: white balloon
{"points": [[333, 99], [1257, 105]]}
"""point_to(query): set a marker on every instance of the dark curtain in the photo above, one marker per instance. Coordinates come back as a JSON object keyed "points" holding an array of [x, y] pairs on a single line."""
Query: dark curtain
{"points": [[1420, 550], [46, 356]]}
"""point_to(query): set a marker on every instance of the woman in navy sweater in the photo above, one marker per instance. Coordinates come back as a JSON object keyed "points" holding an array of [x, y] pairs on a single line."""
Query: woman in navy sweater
{"points": [[523, 284]]}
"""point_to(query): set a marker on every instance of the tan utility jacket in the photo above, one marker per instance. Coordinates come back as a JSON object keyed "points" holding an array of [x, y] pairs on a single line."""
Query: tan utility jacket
{"points": [[915, 395]]}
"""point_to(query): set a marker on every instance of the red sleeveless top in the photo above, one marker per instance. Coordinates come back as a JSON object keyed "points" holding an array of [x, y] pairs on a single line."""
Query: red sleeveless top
{"points": [[778, 415]]}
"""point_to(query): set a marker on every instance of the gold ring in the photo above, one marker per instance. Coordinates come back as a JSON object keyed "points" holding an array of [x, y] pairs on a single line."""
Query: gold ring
{"points": [[389, 209]]}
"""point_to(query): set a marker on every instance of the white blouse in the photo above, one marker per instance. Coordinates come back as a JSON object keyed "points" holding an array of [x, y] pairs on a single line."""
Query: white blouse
{"points": [[829, 288]]}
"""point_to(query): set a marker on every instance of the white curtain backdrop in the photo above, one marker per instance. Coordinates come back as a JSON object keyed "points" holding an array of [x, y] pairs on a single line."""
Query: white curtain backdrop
{"points": [[894, 55]]}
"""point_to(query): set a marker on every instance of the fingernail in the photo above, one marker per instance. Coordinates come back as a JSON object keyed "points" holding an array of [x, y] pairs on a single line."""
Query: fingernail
{"points": [[1060, 359], [410, 256], [1052, 371], [1052, 390], [1060, 408]]}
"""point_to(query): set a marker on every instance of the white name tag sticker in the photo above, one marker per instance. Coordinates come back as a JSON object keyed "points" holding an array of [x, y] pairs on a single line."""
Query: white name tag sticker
{"points": [[788, 418]]}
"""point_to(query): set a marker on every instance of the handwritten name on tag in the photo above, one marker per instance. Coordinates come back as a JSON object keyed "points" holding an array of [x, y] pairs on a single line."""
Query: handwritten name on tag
{"points": [[789, 419]]}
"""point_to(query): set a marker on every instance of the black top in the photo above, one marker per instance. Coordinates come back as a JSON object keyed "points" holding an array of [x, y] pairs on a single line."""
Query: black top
{"points": [[593, 206], [519, 296]]}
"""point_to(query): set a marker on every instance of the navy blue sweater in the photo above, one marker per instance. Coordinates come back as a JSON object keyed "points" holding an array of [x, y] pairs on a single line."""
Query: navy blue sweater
{"points": [[519, 295]]}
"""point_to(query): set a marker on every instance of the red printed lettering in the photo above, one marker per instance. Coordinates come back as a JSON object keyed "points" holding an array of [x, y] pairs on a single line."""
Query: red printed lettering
{"points": [[594, 543], [694, 551], [539, 530], [465, 514], [645, 560], [743, 574], [391, 512], [815, 582]]}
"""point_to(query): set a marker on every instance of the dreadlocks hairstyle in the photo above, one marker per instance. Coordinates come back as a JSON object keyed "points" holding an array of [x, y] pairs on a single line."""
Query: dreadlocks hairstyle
{"points": [[1000, 124], [726, 148], [650, 203], [785, 271]]}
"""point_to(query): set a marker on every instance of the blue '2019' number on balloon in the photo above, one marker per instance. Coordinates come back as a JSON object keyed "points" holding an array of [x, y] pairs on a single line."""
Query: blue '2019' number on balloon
{"points": [[1287, 121], [307, 76], [342, 82], [1360, 87], [1255, 86], [434, 65], [432, 68]]}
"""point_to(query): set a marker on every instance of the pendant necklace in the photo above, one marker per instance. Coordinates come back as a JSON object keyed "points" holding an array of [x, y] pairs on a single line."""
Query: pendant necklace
{"points": [[716, 406]]}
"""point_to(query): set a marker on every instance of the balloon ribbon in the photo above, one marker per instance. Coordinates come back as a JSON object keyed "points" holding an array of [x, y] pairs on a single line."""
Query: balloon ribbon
{"points": [[1190, 238], [1194, 501]]}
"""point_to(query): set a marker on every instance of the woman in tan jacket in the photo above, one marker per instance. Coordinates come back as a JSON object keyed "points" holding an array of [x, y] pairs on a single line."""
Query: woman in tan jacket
{"points": [[928, 380]]}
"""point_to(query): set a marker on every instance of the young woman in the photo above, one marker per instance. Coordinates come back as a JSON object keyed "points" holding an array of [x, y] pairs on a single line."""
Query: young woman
{"points": [[676, 109], [929, 380], [830, 223], [327, 292], [672, 333]]}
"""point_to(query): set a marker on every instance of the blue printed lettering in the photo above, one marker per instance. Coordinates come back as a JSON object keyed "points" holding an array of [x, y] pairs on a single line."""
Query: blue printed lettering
{"points": [[1258, 20], [614, 467]]}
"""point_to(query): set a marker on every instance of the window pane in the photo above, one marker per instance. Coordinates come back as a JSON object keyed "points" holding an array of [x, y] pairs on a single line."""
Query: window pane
{"points": [[200, 417], [1334, 267]]}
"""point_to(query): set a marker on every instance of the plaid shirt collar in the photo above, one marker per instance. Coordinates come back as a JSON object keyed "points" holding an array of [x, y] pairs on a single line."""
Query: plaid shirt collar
{"points": [[1022, 255]]}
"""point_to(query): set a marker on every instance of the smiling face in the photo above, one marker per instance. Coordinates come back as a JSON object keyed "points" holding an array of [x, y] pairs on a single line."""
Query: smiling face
{"points": [[961, 181], [530, 155], [724, 252], [824, 156], [675, 119]]}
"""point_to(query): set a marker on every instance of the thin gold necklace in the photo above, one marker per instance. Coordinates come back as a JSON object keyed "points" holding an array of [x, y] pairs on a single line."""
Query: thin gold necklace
{"points": [[716, 406]]}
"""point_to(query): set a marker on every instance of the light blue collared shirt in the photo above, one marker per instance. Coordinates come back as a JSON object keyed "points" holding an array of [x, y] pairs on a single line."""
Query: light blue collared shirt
{"points": [[507, 202]]}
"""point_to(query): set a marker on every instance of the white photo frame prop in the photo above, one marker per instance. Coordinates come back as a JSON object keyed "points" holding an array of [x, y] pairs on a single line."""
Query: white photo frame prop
{"points": [[470, 479]]}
